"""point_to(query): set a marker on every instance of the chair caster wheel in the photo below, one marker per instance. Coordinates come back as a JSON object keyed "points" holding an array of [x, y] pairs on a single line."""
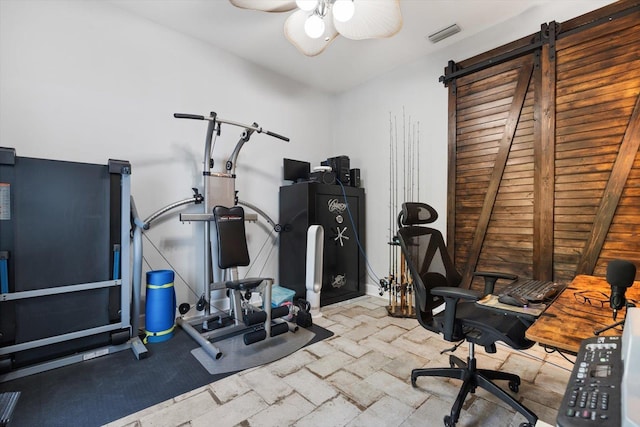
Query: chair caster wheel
{"points": [[514, 387], [448, 421]]}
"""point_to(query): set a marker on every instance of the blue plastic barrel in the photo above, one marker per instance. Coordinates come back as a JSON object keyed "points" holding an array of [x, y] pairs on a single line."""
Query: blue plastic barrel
{"points": [[160, 306]]}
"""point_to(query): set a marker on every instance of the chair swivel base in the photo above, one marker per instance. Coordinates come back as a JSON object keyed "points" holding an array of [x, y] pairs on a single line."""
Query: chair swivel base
{"points": [[471, 379]]}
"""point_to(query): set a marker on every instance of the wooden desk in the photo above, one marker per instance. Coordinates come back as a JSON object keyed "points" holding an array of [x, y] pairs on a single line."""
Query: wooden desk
{"points": [[567, 322]]}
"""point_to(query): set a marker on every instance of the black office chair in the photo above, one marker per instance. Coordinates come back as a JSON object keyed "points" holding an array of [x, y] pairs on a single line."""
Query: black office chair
{"points": [[436, 281]]}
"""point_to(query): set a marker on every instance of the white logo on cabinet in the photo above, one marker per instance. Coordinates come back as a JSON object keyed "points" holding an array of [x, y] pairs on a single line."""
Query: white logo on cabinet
{"points": [[336, 206], [338, 280]]}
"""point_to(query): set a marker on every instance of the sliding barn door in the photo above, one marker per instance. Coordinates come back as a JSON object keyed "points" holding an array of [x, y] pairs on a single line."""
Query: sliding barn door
{"points": [[544, 172], [597, 203], [494, 168]]}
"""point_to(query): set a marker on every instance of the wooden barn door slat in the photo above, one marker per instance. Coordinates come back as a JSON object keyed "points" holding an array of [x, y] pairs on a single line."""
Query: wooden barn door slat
{"points": [[612, 194], [504, 148]]}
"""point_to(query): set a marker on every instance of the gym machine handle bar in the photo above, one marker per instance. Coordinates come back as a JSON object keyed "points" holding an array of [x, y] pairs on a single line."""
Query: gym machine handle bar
{"points": [[217, 120]]}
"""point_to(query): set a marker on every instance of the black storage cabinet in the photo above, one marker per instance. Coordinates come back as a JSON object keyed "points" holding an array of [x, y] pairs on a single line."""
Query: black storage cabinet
{"points": [[311, 203]]}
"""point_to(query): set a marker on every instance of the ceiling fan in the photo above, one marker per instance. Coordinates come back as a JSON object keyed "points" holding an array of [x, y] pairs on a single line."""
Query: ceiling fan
{"points": [[316, 23]]}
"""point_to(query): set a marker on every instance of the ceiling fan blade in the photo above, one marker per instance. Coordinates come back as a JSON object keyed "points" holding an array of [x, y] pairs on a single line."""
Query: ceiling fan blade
{"points": [[265, 5], [294, 32], [372, 19]]}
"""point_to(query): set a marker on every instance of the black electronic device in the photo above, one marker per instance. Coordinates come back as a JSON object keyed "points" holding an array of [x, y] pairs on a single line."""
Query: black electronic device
{"points": [[514, 300], [593, 395], [354, 177], [340, 166], [323, 177], [295, 170], [620, 275]]}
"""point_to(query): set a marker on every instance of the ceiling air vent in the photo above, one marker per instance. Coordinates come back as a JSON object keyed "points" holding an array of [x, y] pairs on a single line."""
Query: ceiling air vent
{"points": [[444, 33]]}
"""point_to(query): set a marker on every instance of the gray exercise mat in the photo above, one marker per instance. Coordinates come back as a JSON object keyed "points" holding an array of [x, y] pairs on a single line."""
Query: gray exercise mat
{"points": [[237, 356]]}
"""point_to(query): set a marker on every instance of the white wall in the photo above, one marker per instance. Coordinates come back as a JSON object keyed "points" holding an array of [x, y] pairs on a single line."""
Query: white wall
{"points": [[367, 118], [86, 82]]}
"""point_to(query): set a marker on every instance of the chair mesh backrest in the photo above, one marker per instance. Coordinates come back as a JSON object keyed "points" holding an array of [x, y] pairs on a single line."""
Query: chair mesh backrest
{"points": [[429, 262], [232, 239]]}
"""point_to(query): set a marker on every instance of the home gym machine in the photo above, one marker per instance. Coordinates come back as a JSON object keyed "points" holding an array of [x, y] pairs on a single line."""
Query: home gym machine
{"points": [[219, 191]]}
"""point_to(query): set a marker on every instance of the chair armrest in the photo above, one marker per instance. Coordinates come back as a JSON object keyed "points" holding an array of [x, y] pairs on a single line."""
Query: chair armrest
{"points": [[490, 279], [451, 297], [456, 293]]}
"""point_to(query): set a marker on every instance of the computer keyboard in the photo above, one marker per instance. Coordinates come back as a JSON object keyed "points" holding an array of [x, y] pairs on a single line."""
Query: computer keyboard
{"points": [[533, 290]]}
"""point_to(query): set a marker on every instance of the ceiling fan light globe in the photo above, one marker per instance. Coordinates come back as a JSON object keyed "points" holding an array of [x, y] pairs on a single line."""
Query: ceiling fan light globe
{"points": [[343, 10], [294, 32], [314, 26], [307, 5]]}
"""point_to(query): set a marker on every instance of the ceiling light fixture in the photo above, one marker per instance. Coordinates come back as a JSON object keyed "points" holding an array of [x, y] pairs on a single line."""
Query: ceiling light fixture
{"points": [[343, 10], [317, 23], [444, 33], [314, 26]]}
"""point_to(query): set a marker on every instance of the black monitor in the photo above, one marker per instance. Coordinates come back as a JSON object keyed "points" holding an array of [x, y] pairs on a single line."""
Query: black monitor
{"points": [[295, 170]]}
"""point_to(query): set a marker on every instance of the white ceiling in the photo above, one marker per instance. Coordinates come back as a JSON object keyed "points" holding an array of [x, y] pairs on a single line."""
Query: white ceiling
{"points": [[259, 37]]}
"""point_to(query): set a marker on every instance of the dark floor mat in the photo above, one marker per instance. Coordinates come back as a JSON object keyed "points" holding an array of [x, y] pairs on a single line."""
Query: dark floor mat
{"points": [[102, 390]]}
